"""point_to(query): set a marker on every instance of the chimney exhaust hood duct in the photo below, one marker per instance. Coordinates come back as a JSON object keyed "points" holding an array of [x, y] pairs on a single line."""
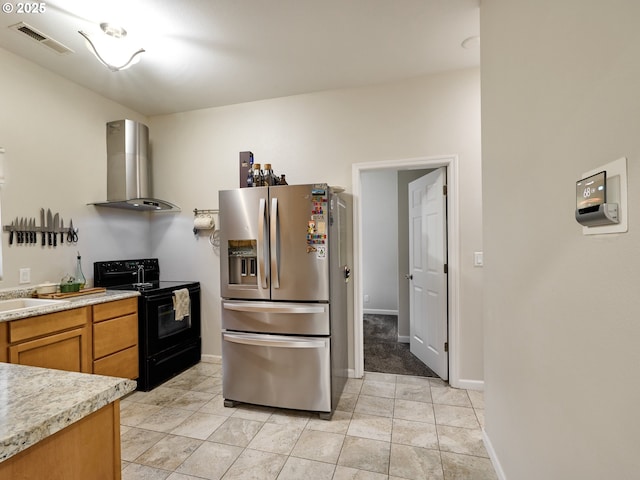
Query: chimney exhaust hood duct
{"points": [[128, 169]]}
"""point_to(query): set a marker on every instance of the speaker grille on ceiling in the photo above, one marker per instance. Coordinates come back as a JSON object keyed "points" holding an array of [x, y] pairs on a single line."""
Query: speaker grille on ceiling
{"points": [[41, 38]]}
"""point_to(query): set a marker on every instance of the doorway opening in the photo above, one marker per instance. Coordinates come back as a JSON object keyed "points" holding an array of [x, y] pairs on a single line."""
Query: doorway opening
{"points": [[359, 171], [385, 352]]}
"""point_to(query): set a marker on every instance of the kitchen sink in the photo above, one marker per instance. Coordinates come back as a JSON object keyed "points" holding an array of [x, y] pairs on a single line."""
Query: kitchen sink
{"points": [[16, 304]]}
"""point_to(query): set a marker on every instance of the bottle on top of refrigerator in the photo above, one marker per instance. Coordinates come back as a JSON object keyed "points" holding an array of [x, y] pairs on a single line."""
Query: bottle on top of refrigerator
{"points": [[283, 180], [258, 177], [269, 177]]}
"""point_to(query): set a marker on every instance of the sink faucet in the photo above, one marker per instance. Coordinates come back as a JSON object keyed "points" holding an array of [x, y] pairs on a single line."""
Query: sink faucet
{"points": [[140, 273]]}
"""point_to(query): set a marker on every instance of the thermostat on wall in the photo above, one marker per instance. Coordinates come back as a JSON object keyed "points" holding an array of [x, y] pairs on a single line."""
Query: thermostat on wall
{"points": [[601, 199], [592, 209]]}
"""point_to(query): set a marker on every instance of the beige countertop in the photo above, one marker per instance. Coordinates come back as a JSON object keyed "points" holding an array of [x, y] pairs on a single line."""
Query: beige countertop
{"points": [[73, 302], [38, 402]]}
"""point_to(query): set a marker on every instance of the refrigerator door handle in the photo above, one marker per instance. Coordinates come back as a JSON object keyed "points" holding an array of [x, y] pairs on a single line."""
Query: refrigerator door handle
{"points": [[265, 341], [239, 307], [275, 244], [262, 276]]}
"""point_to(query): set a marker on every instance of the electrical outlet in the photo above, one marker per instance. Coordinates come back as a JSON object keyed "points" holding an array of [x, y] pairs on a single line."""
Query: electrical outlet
{"points": [[366, 299], [25, 275]]}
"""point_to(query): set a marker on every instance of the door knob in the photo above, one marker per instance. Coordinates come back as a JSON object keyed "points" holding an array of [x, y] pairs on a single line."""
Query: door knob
{"points": [[408, 276]]}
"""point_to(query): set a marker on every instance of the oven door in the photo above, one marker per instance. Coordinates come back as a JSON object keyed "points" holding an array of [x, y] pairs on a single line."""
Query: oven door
{"points": [[162, 329]]}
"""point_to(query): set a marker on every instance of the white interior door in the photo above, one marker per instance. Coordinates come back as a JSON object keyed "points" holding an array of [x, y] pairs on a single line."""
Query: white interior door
{"points": [[427, 263]]}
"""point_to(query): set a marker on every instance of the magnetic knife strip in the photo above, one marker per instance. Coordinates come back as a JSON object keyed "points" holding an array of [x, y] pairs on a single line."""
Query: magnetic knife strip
{"points": [[25, 231]]}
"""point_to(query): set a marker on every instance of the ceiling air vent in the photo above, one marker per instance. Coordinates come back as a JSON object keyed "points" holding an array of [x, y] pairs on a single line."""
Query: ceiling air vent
{"points": [[41, 38]]}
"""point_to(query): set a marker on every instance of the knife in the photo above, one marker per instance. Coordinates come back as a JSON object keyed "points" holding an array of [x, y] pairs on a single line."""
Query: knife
{"points": [[49, 225], [61, 231], [11, 234], [21, 230], [42, 225], [56, 221], [29, 231], [33, 231]]}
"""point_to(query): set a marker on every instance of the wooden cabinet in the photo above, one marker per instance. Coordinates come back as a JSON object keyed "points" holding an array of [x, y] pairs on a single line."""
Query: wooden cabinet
{"points": [[115, 338], [88, 448], [101, 339], [57, 340], [4, 344]]}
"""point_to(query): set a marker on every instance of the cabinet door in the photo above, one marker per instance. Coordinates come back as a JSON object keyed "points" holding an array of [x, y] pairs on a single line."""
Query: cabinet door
{"points": [[4, 351], [68, 350]]}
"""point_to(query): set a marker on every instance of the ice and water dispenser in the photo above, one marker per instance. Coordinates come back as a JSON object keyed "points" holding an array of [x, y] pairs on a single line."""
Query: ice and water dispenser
{"points": [[243, 262]]}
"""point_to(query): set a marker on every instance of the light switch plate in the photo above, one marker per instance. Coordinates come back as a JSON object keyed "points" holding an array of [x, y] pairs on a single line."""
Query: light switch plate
{"points": [[478, 260], [25, 275]]}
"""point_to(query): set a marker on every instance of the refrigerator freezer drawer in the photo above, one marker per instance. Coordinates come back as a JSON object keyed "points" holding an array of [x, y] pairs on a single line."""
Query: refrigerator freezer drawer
{"points": [[277, 371], [276, 317]]}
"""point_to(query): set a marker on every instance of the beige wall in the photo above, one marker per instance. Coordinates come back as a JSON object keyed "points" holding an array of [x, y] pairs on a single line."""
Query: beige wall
{"points": [[560, 83], [53, 132], [54, 135], [317, 137]]}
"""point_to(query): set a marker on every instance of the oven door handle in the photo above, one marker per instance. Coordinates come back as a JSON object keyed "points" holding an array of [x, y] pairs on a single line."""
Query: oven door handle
{"points": [[297, 309], [267, 341]]}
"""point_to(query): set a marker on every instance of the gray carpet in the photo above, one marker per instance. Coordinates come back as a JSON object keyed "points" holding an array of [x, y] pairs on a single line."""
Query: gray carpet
{"points": [[383, 353]]}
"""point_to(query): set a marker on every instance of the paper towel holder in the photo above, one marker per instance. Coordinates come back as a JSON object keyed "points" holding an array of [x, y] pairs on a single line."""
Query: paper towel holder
{"points": [[203, 220]]}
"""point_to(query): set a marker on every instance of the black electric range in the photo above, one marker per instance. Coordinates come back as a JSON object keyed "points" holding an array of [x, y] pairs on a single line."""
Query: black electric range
{"points": [[167, 346]]}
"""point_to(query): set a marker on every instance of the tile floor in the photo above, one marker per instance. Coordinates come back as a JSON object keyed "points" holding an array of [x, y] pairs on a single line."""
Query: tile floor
{"points": [[385, 427]]}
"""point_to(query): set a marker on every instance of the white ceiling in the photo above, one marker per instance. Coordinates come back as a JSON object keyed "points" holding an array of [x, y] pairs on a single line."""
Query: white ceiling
{"points": [[205, 53]]}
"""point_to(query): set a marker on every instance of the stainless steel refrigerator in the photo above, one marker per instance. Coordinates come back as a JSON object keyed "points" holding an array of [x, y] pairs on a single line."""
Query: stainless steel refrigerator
{"points": [[283, 283]]}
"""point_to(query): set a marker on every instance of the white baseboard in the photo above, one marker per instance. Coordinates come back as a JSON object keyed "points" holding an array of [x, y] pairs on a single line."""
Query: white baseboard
{"points": [[470, 384], [351, 373], [210, 358], [493, 456], [379, 311], [404, 339]]}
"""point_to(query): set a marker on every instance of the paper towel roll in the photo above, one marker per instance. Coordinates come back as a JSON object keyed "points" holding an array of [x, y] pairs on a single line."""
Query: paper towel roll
{"points": [[203, 222]]}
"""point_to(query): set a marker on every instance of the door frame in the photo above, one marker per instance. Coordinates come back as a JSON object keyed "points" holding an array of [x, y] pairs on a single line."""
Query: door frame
{"points": [[450, 162]]}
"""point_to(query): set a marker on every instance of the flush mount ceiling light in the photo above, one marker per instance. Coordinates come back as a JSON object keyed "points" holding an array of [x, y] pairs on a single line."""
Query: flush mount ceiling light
{"points": [[112, 49]]}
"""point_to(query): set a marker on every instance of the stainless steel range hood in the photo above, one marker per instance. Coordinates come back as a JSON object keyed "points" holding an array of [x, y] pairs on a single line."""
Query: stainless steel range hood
{"points": [[128, 172]]}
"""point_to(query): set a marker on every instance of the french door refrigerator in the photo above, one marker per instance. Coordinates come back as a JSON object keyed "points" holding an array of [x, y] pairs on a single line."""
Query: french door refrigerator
{"points": [[283, 282]]}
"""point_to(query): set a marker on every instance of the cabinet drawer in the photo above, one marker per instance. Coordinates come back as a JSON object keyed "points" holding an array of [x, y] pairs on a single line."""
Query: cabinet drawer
{"points": [[277, 370], [105, 311], [33, 327], [114, 335], [122, 364]]}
